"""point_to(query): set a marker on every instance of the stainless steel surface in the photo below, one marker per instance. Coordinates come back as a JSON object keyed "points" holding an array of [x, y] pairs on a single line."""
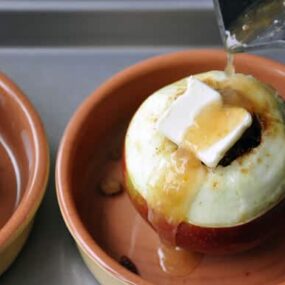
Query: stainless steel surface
{"points": [[100, 23], [57, 80]]}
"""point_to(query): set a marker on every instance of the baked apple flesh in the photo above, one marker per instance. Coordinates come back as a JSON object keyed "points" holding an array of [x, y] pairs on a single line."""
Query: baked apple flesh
{"points": [[237, 204]]}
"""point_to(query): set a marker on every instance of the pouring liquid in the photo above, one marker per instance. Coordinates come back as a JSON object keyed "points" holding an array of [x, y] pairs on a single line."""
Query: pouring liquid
{"points": [[230, 68], [173, 260]]}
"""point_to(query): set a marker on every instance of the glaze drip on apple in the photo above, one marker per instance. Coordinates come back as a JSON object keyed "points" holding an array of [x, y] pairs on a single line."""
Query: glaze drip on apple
{"points": [[177, 188]]}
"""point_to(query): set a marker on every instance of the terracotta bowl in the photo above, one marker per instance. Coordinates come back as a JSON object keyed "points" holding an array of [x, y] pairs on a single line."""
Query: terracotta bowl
{"points": [[24, 168], [106, 228]]}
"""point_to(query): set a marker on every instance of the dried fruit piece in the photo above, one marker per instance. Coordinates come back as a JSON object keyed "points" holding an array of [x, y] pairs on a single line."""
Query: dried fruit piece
{"points": [[111, 181], [128, 264]]}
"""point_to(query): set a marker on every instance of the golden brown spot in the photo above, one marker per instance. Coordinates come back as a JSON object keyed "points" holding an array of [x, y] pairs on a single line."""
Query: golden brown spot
{"points": [[244, 170], [153, 118], [267, 121], [138, 146], [213, 83], [179, 91], [243, 158], [274, 131], [215, 184]]}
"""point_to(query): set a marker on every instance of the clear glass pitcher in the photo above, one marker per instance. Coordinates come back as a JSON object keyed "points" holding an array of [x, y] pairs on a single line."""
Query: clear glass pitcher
{"points": [[251, 24]]}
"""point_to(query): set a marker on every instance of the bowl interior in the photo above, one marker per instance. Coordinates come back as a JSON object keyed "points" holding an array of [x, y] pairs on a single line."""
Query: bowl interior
{"points": [[111, 222], [17, 148]]}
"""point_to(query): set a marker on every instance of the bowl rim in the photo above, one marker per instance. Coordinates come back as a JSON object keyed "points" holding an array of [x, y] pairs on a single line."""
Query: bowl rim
{"points": [[36, 186], [70, 215]]}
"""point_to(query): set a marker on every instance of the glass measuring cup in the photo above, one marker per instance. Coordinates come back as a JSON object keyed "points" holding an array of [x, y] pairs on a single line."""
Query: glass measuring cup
{"points": [[251, 24]]}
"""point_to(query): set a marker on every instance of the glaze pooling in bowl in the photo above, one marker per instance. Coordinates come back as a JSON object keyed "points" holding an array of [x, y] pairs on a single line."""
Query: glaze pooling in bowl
{"points": [[105, 227]]}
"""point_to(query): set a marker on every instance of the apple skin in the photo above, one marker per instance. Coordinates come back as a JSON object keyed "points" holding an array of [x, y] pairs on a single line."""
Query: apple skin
{"points": [[210, 240]]}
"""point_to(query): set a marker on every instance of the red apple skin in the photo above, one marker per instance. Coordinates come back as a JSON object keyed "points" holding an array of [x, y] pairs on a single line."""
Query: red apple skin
{"points": [[210, 240]]}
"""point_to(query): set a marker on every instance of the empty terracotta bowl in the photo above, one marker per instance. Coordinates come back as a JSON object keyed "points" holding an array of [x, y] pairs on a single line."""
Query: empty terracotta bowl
{"points": [[24, 168], [116, 244]]}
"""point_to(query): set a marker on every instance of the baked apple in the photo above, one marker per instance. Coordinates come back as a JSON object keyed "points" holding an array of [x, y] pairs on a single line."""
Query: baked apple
{"points": [[225, 208]]}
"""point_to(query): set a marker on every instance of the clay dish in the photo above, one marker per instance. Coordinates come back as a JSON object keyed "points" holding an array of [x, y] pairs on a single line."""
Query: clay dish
{"points": [[106, 227], [24, 168]]}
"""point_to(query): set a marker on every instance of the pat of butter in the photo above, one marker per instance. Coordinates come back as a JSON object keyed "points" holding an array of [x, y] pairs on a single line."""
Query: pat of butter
{"points": [[212, 155], [181, 116], [185, 108]]}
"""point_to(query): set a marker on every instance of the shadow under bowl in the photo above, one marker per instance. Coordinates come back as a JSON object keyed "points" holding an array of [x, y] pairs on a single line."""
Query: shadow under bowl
{"points": [[24, 169], [106, 228]]}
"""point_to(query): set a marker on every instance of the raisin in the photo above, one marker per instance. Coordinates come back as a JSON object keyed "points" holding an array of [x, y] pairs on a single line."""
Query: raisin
{"points": [[128, 264]]}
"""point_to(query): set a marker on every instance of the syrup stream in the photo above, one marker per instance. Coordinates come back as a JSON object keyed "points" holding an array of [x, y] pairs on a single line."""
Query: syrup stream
{"points": [[173, 260], [230, 69]]}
